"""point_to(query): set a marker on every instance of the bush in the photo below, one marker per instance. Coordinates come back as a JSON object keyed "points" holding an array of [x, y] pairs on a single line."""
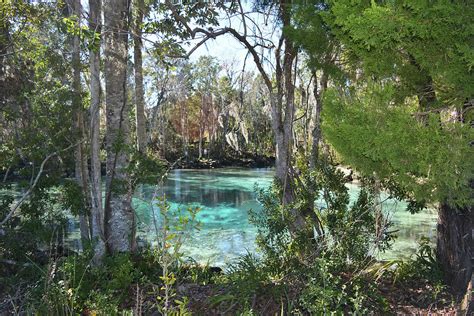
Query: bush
{"points": [[422, 266], [321, 266]]}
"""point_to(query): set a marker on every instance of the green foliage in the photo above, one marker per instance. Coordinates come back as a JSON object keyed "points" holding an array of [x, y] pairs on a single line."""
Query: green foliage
{"points": [[375, 136], [146, 168], [311, 32], [120, 186], [67, 283], [197, 274], [35, 110], [36, 229], [87, 36], [346, 230], [34, 235], [74, 285], [410, 40], [421, 275], [330, 291], [248, 276], [375, 124], [402, 115], [321, 270], [195, 13], [72, 198], [423, 266], [175, 227], [273, 235]]}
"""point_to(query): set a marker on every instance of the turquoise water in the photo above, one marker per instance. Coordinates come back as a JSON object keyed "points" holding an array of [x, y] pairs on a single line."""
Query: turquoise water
{"points": [[225, 196]]}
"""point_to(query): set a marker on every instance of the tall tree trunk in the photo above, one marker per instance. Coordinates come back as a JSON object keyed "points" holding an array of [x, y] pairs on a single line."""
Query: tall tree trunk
{"points": [[97, 212], [316, 138], [119, 215], [201, 119], [284, 132], [80, 158], [4, 43], [156, 123], [138, 65], [282, 111], [225, 126], [316, 132], [454, 245]]}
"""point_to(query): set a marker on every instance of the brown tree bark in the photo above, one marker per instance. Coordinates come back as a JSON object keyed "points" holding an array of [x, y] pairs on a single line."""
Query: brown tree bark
{"points": [[454, 245], [97, 212], [119, 215], [283, 110], [138, 66]]}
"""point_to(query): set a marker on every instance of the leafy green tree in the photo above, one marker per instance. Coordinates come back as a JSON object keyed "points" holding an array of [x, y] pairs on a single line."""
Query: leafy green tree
{"points": [[405, 114], [36, 128]]}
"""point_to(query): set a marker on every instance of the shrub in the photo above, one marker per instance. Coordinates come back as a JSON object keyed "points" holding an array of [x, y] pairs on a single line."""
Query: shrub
{"points": [[320, 267]]}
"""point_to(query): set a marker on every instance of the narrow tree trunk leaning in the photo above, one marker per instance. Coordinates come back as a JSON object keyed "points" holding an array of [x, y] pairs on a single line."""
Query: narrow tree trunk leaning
{"points": [[119, 215], [316, 139], [156, 123], [138, 66], [97, 213], [80, 158], [467, 303]]}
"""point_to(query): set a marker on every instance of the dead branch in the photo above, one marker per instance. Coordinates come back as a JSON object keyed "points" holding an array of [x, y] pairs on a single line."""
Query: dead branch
{"points": [[35, 182]]}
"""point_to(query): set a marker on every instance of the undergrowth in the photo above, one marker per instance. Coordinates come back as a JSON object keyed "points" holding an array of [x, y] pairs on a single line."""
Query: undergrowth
{"points": [[327, 267]]}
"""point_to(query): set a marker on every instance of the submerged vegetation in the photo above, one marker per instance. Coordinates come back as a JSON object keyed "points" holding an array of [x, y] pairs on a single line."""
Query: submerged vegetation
{"points": [[98, 99]]}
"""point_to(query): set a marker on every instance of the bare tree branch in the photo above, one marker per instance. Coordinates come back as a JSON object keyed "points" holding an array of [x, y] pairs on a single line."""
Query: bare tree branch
{"points": [[35, 182]]}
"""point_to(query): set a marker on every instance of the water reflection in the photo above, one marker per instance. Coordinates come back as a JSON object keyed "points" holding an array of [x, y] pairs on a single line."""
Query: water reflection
{"points": [[226, 195]]}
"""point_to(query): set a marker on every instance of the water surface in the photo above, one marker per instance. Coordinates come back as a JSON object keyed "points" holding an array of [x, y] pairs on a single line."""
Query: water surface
{"points": [[225, 196]]}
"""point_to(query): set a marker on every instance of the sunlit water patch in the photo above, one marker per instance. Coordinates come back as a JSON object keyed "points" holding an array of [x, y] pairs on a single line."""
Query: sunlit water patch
{"points": [[409, 228], [224, 197]]}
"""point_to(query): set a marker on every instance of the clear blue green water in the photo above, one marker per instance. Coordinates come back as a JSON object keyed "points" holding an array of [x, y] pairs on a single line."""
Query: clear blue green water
{"points": [[225, 196]]}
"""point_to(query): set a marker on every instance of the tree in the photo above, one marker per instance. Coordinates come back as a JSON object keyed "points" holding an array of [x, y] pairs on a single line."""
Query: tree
{"points": [[36, 138], [139, 6], [405, 115], [321, 50], [81, 168], [205, 72], [119, 214], [275, 48], [97, 210]]}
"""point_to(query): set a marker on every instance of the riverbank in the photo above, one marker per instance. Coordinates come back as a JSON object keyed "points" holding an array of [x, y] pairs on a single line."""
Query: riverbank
{"points": [[243, 160], [224, 197]]}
